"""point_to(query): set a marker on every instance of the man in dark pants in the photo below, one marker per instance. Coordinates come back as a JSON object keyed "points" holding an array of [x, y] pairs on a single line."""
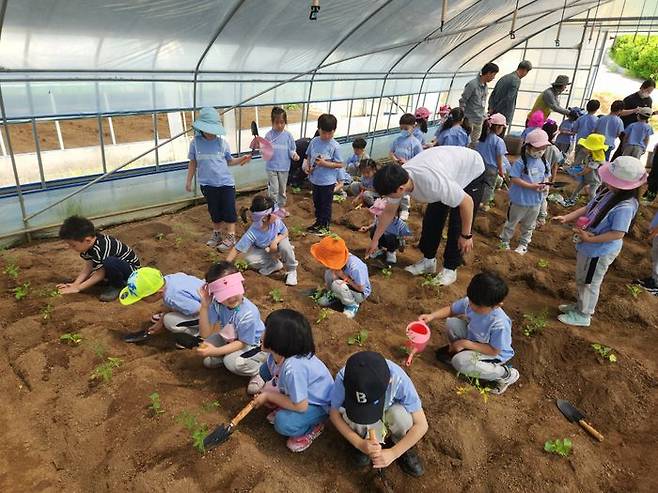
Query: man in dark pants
{"points": [[652, 180], [449, 179], [632, 103]]}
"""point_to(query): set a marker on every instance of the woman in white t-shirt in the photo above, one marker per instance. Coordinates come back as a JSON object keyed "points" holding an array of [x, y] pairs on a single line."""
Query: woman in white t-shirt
{"points": [[450, 180]]}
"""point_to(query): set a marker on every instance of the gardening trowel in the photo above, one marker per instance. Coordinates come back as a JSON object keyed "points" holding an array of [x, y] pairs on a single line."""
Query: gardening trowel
{"points": [[575, 416]]}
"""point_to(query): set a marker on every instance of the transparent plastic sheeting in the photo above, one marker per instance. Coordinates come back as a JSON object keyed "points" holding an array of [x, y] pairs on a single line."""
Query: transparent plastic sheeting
{"points": [[147, 51]]}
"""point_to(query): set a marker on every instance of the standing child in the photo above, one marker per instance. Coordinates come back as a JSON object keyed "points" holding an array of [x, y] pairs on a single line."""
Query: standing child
{"points": [[453, 131], [554, 158], [607, 219], [493, 150], [346, 277], [283, 145], [529, 175], [405, 146], [230, 325], [611, 126], [322, 164], [594, 146], [364, 189], [106, 258], [650, 283], [481, 345], [535, 121], [265, 244], [373, 395], [420, 130], [300, 382], [565, 137], [393, 238], [636, 135], [583, 127], [210, 157], [352, 163]]}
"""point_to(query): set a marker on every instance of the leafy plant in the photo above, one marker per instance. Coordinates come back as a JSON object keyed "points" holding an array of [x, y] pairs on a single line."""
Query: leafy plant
{"points": [[207, 407], [387, 271], [99, 349], [637, 54], [605, 352], [159, 236], [275, 294], [47, 311], [242, 265], [359, 338], [296, 190], [21, 291], [430, 280], [534, 323], [11, 270], [71, 338], [324, 315], [474, 381], [198, 431], [543, 263], [317, 295], [559, 447], [339, 198], [50, 292], [634, 290], [404, 350], [155, 406], [104, 370], [296, 231]]}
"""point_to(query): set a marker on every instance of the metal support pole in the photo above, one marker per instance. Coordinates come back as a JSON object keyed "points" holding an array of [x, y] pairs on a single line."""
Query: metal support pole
{"points": [[57, 127], [590, 81], [349, 119], [239, 129], [101, 139], [37, 149], [575, 68], [155, 141], [390, 111]]}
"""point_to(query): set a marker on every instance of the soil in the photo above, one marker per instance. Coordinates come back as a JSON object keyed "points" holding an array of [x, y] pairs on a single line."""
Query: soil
{"points": [[62, 431]]}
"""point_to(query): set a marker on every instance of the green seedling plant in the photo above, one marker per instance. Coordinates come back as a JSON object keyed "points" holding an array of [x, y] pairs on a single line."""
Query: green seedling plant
{"points": [[605, 352], [276, 296], [297, 231], [207, 407], [99, 349], [105, 370], [71, 338], [155, 406], [404, 350], [474, 381], [324, 315], [559, 447], [11, 270], [242, 265], [387, 271], [431, 281], [543, 263], [46, 312], [317, 295], [51, 293], [359, 338], [534, 323], [339, 198], [21, 291], [634, 290], [296, 190], [198, 431], [159, 236]]}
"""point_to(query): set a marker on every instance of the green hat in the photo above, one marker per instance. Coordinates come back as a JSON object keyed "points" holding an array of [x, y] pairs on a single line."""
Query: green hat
{"points": [[141, 283]]}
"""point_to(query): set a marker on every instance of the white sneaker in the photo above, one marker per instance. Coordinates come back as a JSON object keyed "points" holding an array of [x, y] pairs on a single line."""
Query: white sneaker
{"points": [[568, 307], [271, 268], [521, 249], [391, 258], [446, 277], [215, 239], [423, 266], [503, 383], [291, 278], [404, 215], [256, 384]]}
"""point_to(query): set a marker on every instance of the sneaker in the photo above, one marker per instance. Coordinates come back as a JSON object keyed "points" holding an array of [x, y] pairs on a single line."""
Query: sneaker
{"points": [[647, 284], [503, 383], [109, 294], [350, 311], [503, 245], [227, 243], [314, 228], [521, 249], [575, 318], [378, 253], [215, 239], [423, 266], [255, 385], [391, 258], [136, 337], [272, 416], [271, 268], [410, 463], [446, 277], [404, 215], [569, 307], [299, 444], [291, 278]]}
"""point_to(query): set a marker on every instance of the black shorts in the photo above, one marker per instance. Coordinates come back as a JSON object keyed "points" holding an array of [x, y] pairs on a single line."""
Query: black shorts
{"points": [[221, 203]]}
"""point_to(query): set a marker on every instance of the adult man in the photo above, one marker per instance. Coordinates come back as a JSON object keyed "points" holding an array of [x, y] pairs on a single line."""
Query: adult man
{"points": [[474, 98], [503, 97], [632, 103], [450, 180], [547, 101]]}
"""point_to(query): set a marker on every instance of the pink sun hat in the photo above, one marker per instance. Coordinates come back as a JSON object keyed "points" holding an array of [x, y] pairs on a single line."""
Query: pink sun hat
{"points": [[226, 287], [537, 138], [423, 113], [625, 173], [537, 119], [265, 147], [444, 109], [498, 119]]}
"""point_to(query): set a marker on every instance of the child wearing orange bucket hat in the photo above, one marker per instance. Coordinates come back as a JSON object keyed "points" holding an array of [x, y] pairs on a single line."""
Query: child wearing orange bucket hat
{"points": [[482, 344], [594, 147], [346, 277]]}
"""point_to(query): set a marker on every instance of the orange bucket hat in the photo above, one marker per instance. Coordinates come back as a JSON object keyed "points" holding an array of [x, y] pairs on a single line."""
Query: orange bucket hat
{"points": [[331, 252]]}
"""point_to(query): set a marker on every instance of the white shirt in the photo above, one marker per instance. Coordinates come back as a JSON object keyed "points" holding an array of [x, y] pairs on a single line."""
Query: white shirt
{"points": [[440, 174]]}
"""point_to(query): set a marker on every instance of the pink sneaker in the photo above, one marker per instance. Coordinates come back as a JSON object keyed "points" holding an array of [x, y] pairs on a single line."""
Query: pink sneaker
{"points": [[272, 416], [299, 444]]}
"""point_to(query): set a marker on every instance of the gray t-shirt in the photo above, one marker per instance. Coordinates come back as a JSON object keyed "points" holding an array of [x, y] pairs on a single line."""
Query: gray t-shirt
{"points": [[473, 100], [503, 96]]}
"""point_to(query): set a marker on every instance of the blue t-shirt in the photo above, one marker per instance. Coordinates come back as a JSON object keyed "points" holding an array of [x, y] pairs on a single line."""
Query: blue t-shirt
{"points": [[212, 158], [419, 135], [610, 126], [245, 319], [567, 126], [454, 136], [406, 147], [257, 236], [526, 132], [619, 218], [654, 222], [368, 183], [637, 132], [584, 126], [400, 390], [330, 151], [344, 176], [357, 270], [535, 172], [303, 378], [283, 144], [494, 328], [492, 147], [181, 293], [352, 163], [397, 228]]}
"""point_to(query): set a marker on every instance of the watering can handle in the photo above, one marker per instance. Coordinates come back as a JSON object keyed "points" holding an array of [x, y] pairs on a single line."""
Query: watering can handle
{"points": [[240, 416], [411, 357]]}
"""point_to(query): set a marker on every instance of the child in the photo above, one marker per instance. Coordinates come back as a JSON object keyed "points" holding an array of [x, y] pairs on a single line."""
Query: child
{"points": [[365, 190], [609, 217], [368, 392], [106, 258], [265, 244], [493, 150], [611, 126], [343, 184], [420, 130], [236, 343], [583, 127], [393, 238], [322, 165], [210, 157], [352, 163], [482, 344], [636, 135], [405, 146], [283, 144], [300, 382], [535, 121], [565, 137], [180, 301], [346, 277], [529, 175], [453, 131], [554, 158], [594, 145], [650, 283]]}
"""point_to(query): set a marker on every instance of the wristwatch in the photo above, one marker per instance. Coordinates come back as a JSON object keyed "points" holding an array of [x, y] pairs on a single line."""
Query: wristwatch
{"points": [[466, 237]]}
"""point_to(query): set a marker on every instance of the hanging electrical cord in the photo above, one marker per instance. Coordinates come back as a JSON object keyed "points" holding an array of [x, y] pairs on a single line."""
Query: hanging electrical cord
{"points": [[512, 34], [443, 14], [559, 27], [596, 14], [315, 8]]}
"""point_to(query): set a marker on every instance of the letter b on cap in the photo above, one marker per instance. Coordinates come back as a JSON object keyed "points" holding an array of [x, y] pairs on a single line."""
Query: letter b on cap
{"points": [[361, 398]]}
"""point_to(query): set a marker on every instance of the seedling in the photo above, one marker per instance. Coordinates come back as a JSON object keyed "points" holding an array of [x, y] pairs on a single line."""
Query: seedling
{"points": [[324, 315], [605, 352], [12, 270], [71, 338], [104, 370], [241, 265], [431, 281], [404, 350], [296, 190], [50, 293], [21, 291], [207, 407], [559, 447], [387, 271], [474, 381], [339, 198], [99, 349], [155, 406], [275, 294], [543, 263], [534, 323], [359, 338], [47, 311], [634, 290], [319, 293], [297, 231], [159, 236], [198, 431]]}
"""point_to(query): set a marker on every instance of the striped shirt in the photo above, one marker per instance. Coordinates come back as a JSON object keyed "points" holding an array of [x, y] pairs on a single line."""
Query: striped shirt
{"points": [[107, 246]]}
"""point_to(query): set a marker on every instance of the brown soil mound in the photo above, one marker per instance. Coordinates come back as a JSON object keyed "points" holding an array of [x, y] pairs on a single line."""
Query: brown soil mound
{"points": [[63, 431]]}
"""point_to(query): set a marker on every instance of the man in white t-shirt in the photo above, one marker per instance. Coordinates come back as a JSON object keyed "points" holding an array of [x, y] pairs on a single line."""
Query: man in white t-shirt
{"points": [[450, 180]]}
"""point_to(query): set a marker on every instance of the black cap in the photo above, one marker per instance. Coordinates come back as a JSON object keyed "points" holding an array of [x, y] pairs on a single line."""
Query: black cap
{"points": [[366, 379]]}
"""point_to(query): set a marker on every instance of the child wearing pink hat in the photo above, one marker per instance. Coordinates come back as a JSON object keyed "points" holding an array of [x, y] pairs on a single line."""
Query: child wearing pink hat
{"points": [[422, 117], [602, 225], [535, 121], [493, 150]]}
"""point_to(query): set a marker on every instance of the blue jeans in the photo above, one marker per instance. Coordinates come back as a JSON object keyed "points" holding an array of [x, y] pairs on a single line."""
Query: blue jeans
{"points": [[117, 271], [295, 424]]}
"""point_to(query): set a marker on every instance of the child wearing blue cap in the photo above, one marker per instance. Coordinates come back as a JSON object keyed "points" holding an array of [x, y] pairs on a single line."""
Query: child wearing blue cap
{"points": [[210, 157]]}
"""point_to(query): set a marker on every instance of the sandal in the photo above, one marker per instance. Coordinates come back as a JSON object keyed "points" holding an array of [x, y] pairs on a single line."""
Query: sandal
{"points": [[157, 317]]}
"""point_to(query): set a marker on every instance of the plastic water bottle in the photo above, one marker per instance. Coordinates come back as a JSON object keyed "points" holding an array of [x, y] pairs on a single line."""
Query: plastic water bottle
{"points": [[581, 223]]}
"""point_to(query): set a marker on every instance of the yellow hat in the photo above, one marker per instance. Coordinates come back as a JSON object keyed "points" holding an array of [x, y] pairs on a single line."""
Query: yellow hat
{"points": [[596, 144], [331, 252], [141, 283]]}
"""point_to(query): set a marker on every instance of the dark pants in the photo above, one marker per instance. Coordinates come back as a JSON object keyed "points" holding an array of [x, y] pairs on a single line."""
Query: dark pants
{"points": [[117, 271], [434, 220], [652, 180], [387, 241], [618, 150], [608, 152], [323, 199]]}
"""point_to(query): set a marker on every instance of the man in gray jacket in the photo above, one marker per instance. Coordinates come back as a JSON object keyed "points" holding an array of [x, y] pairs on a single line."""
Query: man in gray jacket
{"points": [[503, 97], [474, 98]]}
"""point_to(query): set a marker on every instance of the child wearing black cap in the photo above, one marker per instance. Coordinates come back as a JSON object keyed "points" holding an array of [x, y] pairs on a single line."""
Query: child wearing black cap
{"points": [[373, 393]]}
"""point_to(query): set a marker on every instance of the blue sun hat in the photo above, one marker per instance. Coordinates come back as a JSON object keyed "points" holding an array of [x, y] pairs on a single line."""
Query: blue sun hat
{"points": [[208, 122]]}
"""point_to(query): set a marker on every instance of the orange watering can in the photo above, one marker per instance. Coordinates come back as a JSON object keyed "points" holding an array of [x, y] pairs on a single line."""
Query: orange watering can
{"points": [[419, 335]]}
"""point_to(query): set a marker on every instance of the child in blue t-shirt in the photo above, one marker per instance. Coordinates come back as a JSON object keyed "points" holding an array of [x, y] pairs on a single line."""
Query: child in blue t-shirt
{"points": [[611, 126], [636, 135], [393, 238], [210, 157], [583, 127], [231, 326], [322, 164], [650, 283], [265, 245], [352, 163], [493, 150], [566, 132], [297, 384], [529, 175], [453, 131], [480, 342], [600, 228], [593, 147], [365, 189], [277, 168], [405, 146]]}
